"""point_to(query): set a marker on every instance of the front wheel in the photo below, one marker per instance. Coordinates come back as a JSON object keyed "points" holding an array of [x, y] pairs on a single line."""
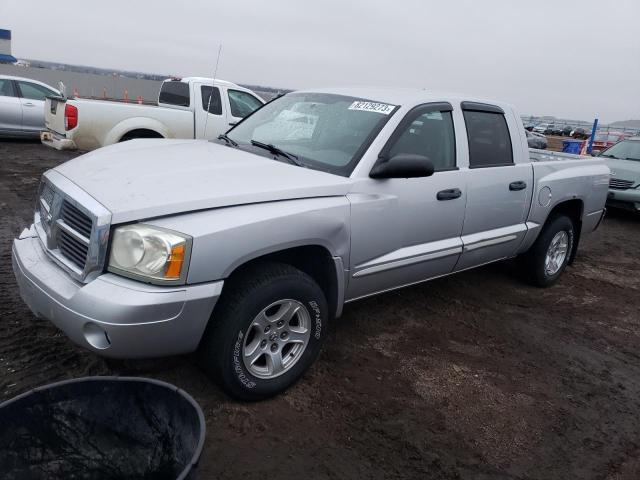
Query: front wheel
{"points": [[266, 332], [549, 255]]}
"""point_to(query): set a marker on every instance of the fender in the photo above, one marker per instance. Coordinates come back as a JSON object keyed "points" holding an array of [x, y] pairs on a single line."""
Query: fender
{"points": [[136, 123], [226, 238]]}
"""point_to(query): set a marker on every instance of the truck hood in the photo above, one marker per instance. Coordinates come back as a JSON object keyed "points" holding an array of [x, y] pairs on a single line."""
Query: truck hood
{"points": [[142, 179], [624, 169]]}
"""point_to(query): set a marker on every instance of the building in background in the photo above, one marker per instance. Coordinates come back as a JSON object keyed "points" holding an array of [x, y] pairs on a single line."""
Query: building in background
{"points": [[5, 47]]}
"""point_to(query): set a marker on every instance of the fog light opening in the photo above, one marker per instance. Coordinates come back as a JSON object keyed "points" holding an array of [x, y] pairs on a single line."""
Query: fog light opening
{"points": [[96, 336]]}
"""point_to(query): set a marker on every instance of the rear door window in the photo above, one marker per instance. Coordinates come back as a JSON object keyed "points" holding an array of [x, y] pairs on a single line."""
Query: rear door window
{"points": [[489, 138], [175, 93], [211, 101], [242, 103], [6, 88], [33, 91]]}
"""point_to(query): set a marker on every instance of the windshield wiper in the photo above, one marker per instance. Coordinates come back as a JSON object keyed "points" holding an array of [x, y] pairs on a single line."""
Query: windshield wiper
{"points": [[607, 156], [227, 139], [278, 151]]}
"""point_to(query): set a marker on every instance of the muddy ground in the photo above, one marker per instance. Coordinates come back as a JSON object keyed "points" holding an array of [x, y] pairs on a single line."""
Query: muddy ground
{"points": [[475, 376]]}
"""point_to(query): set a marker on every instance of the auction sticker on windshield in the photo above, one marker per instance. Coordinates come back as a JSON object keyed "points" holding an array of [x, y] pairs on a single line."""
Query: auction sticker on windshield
{"points": [[382, 108]]}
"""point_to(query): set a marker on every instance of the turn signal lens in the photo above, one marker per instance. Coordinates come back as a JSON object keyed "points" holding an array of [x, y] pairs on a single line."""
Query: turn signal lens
{"points": [[174, 265]]}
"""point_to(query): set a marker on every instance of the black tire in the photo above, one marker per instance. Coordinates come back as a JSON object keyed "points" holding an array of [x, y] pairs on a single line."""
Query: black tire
{"points": [[534, 259], [140, 134], [244, 297]]}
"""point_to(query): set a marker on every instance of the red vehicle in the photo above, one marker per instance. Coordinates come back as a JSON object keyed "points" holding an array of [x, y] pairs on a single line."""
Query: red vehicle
{"points": [[604, 140]]}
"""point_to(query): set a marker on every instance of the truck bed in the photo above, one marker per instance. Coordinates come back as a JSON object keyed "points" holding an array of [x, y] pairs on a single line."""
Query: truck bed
{"points": [[537, 155]]}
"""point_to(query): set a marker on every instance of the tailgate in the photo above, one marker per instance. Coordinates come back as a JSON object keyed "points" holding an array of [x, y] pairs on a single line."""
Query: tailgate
{"points": [[54, 114]]}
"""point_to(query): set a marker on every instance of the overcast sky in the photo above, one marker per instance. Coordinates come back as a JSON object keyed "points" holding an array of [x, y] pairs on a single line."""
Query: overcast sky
{"points": [[572, 59]]}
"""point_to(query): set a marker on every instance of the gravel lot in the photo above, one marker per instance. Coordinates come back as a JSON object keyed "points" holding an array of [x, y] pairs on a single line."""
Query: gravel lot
{"points": [[473, 376]]}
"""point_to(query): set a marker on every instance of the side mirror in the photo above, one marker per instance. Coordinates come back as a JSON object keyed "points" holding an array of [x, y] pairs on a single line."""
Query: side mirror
{"points": [[403, 165]]}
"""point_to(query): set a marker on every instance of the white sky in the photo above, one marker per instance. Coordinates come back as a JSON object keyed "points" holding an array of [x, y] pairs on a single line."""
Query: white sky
{"points": [[571, 59]]}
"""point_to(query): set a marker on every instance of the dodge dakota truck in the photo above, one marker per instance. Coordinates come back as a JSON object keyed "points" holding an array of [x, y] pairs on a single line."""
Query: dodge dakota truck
{"points": [[245, 247], [190, 107]]}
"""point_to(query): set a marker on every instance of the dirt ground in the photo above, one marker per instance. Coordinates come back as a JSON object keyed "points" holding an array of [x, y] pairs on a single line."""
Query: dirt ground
{"points": [[474, 376]]}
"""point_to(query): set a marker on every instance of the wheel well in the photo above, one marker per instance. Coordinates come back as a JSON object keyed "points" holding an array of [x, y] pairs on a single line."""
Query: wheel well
{"points": [[140, 133], [314, 260], [573, 210]]}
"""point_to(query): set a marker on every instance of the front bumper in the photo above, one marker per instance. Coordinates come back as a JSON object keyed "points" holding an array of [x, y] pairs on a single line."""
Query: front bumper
{"points": [[113, 316], [53, 140], [626, 199]]}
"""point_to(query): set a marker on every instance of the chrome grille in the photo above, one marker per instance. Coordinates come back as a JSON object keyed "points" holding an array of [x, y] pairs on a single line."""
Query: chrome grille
{"points": [[76, 219], [619, 184], [45, 204], [73, 249], [72, 226]]}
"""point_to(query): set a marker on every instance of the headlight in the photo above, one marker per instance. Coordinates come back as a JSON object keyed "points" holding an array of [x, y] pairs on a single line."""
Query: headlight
{"points": [[150, 253]]}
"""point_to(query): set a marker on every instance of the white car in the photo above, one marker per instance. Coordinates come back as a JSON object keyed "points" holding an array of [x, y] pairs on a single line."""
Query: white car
{"points": [[541, 127], [181, 112], [22, 106]]}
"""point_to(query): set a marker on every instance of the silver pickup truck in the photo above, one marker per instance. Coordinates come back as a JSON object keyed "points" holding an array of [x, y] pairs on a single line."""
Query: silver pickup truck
{"points": [[245, 247]]}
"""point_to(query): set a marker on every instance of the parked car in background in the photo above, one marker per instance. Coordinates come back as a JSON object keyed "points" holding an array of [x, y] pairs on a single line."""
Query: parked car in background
{"points": [[623, 159], [536, 140], [181, 112], [604, 140], [22, 106], [566, 131], [529, 127], [580, 133], [246, 247], [541, 127]]}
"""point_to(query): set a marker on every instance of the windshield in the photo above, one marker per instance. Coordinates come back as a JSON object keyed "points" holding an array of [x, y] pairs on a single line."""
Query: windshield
{"points": [[625, 150], [324, 131]]}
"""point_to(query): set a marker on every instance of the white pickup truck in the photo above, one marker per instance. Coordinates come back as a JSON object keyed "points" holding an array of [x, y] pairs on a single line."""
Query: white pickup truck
{"points": [[86, 124]]}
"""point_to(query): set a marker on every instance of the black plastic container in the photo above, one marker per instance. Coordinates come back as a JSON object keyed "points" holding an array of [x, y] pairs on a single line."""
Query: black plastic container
{"points": [[101, 428]]}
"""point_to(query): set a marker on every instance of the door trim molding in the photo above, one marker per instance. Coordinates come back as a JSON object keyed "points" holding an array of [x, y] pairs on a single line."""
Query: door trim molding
{"points": [[408, 261]]}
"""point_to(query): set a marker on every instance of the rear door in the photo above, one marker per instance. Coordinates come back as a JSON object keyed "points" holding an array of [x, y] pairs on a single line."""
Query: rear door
{"points": [[241, 104], [210, 116], [32, 98], [10, 107], [498, 188]]}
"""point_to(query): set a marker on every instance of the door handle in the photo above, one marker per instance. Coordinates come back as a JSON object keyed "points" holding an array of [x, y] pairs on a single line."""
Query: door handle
{"points": [[519, 185], [233, 124], [450, 194], [28, 104]]}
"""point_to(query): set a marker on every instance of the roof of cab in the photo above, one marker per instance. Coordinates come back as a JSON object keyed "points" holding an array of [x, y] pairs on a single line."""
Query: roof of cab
{"points": [[404, 96], [205, 80]]}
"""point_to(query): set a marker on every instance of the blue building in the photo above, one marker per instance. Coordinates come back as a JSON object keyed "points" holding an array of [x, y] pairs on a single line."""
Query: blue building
{"points": [[5, 47]]}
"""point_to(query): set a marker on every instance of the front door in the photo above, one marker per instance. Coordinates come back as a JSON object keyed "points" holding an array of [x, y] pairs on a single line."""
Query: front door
{"points": [[32, 97], [498, 189], [405, 231], [241, 104], [10, 108]]}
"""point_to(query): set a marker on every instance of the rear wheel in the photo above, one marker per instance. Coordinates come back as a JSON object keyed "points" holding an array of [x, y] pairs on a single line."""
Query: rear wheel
{"points": [[266, 332], [549, 255], [140, 134]]}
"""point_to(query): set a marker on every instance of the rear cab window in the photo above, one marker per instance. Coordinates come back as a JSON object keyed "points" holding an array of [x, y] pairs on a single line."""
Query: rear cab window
{"points": [[175, 93], [488, 135]]}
